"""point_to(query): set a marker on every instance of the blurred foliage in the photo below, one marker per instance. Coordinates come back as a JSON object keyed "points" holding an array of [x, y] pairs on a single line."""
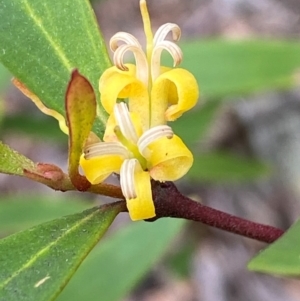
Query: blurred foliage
{"points": [[26, 124], [281, 257], [121, 261], [193, 125], [18, 212], [223, 167], [226, 68], [181, 261]]}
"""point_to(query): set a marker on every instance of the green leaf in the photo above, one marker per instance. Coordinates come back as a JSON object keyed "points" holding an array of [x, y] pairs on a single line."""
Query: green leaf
{"points": [[11, 162], [18, 212], [225, 68], [225, 167], [81, 112], [37, 263], [282, 256], [29, 124], [41, 43], [4, 78], [120, 262]]}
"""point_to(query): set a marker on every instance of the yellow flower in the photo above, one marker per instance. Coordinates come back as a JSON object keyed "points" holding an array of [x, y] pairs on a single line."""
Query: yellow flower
{"points": [[141, 99], [158, 94], [137, 156]]}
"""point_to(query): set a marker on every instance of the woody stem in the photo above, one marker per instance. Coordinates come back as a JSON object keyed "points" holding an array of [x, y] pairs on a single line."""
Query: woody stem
{"points": [[169, 202]]}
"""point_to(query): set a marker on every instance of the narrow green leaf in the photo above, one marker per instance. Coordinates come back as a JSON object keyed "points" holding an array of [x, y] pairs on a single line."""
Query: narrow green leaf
{"points": [[81, 112], [41, 42], [120, 262], [224, 68], [37, 263], [18, 212], [282, 256], [11, 162], [225, 167]]}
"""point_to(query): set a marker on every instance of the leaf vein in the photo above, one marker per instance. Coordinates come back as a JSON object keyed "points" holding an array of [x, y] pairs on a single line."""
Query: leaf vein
{"points": [[34, 258], [39, 24]]}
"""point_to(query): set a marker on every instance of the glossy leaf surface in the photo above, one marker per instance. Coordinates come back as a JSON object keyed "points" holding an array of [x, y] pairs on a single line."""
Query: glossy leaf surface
{"points": [[41, 43], [37, 263], [4, 78], [120, 262], [11, 162]]}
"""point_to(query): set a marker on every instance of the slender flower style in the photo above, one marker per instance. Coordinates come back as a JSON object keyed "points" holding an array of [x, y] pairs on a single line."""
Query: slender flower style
{"points": [[141, 99]]}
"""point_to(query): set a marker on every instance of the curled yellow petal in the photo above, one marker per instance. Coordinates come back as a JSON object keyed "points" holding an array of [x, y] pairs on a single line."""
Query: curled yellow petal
{"points": [[177, 87], [115, 84], [99, 168], [136, 187], [170, 159], [110, 72], [60, 118]]}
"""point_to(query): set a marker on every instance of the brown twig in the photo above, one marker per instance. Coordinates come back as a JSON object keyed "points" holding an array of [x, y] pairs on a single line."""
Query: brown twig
{"points": [[169, 202]]}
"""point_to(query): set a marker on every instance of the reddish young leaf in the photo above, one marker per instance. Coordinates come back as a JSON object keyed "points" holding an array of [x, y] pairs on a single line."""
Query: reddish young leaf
{"points": [[81, 113]]}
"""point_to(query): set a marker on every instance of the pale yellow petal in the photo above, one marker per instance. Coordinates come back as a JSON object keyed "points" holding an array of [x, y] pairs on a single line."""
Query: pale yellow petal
{"points": [[99, 168], [110, 72], [115, 84], [177, 87], [141, 207], [169, 159]]}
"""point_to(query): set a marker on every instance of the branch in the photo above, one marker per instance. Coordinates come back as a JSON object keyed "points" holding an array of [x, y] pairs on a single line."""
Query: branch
{"points": [[52, 176], [169, 202]]}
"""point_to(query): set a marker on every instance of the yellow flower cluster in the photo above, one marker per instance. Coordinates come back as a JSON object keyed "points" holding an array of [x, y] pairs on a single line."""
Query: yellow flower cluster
{"points": [[140, 99]]}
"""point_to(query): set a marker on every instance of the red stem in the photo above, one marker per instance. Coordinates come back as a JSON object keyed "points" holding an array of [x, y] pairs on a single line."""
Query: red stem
{"points": [[169, 202]]}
